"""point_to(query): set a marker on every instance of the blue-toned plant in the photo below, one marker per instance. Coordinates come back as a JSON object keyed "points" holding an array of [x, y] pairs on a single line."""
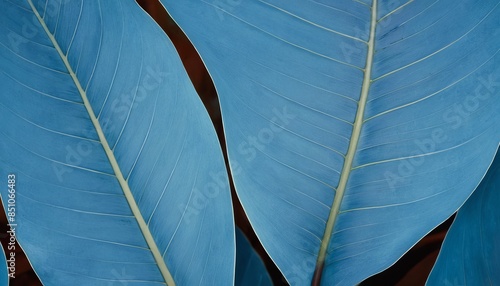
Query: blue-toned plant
{"points": [[119, 175], [353, 128]]}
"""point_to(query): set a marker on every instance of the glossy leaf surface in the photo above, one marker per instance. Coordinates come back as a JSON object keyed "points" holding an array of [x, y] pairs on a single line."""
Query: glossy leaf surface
{"points": [[353, 127], [119, 174]]}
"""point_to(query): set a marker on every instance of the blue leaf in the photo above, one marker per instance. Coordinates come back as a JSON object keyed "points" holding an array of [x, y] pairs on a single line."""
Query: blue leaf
{"points": [[353, 128], [250, 269], [119, 176], [470, 254]]}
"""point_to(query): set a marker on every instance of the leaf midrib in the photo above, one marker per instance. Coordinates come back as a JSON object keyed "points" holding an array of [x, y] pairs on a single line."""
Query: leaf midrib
{"points": [[351, 151], [112, 159]]}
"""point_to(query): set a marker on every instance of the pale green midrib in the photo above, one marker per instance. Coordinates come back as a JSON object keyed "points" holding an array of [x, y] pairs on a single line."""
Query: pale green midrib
{"points": [[123, 183], [353, 145]]}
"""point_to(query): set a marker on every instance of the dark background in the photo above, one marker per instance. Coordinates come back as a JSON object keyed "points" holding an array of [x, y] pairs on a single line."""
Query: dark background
{"points": [[412, 269]]}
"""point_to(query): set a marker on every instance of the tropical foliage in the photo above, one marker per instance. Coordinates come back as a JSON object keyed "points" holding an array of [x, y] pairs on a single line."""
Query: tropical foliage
{"points": [[353, 128]]}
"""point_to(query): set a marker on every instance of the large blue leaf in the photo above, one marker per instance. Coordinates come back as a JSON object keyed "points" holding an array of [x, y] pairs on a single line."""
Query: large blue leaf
{"points": [[119, 175], [353, 127], [470, 254]]}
